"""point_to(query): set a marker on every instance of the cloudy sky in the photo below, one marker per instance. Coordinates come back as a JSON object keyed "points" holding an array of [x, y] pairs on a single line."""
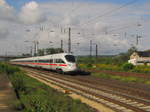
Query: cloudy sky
{"points": [[112, 24]]}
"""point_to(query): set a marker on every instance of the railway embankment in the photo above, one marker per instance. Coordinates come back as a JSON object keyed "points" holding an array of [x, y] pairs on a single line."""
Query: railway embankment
{"points": [[35, 96]]}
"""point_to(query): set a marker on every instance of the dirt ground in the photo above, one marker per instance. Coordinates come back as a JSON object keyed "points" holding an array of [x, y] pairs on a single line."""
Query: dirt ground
{"points": [[7, 95]]}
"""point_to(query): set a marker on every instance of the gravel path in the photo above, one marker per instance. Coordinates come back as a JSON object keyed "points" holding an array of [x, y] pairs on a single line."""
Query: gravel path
{"points": [[7, 95]]}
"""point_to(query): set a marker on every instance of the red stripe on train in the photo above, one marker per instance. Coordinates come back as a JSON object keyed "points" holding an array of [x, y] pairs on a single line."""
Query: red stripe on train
{"points": [[44, 64]]}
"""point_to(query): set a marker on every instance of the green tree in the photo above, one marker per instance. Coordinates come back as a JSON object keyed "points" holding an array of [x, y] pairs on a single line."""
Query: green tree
{"points": [[40, 52], [48, 51], [131, 50], [53, 50], [26, 55], [125, 56]]}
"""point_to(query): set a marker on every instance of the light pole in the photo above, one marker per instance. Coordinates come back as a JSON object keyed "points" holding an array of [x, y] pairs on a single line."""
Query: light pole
{"points": [[90, 48], [77, 50], [76, 46], [51, 44], [30, 47], [69, 41], [46, 51], [35, 43], [62, 45]]}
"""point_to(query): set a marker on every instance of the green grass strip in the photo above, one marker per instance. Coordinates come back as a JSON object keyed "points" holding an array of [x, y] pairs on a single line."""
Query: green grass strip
{"points": [[38, 97]]}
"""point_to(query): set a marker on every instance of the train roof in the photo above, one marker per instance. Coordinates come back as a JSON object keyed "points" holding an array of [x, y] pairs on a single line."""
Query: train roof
{"points": [[43, 57]]}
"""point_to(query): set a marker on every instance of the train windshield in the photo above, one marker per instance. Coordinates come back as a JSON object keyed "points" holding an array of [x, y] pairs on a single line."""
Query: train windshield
{"points": [[70, 58]]}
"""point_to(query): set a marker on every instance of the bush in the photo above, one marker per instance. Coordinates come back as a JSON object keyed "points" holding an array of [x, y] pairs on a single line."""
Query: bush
{"points": [[89, 65], [142, 69], [127, 66], [4, 67], [18, 105], [18, 81]]}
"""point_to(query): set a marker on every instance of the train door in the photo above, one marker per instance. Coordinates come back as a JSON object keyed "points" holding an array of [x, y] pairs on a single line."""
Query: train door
{"points": [[54, 64], [50, 63], [36, 63]]}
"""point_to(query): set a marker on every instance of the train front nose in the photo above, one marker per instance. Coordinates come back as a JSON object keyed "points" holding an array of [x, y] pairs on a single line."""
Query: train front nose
{"points": [[71, 63], [72, 67]]}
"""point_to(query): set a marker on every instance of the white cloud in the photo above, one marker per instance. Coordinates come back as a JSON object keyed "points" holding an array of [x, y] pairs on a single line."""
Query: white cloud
{"points": [[6, 11], [4, 5], [30, 13]]}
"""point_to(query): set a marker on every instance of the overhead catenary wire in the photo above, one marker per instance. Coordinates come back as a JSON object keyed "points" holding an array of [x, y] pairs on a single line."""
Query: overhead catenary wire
{"points": [[122, 28], [129, 3], [109, 12], [74, 9]]}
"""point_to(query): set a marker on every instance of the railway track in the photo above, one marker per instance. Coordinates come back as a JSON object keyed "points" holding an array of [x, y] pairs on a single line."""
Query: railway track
{"points": [[137, 90], [141, 92], [117, 101]]}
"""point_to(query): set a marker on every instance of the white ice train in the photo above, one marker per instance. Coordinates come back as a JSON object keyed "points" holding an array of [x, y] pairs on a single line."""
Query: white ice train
{"points": [[63, 62]]}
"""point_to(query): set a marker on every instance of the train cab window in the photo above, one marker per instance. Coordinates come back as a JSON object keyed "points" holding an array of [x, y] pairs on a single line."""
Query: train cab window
{"points": [[70, 58]]}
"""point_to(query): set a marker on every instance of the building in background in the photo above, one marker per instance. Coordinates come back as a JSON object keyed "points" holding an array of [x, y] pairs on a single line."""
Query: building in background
{"points": [[140, 58]]}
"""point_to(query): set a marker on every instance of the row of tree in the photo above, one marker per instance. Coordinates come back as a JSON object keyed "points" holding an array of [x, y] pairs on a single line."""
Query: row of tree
{"points": [[47, 51]]}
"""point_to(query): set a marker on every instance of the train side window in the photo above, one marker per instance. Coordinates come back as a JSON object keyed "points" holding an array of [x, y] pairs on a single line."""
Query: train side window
{"points": [[59, 61], [51, 61], [45, 61], [40, 61], [56, 60]]}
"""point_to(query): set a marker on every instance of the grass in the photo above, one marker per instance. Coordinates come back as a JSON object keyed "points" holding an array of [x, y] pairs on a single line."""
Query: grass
{"points": [[35, 96], [40, 98], [136, 69], [112, 63], [122, 78]]}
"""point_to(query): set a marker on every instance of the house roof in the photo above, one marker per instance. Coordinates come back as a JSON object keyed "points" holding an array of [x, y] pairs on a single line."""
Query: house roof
{"points": [[144, 53]]}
